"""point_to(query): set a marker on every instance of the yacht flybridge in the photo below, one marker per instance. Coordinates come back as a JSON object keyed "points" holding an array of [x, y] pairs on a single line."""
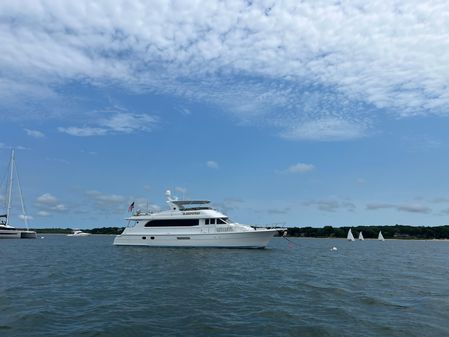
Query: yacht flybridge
{"points": [[190, 223]]}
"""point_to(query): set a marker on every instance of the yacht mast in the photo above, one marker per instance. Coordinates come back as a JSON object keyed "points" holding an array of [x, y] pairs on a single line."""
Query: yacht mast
{"points": [[8, 210], [25, 216]]}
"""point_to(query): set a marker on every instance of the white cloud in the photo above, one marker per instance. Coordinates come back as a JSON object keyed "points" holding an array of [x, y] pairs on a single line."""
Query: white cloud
{"points": [[47, 199], [212, 164], [325, 129], [83, 131], [43, 213], [49, 203], [34, 133], [59, 208], [122, 122], [128, 122], [326, 65], [299, 168]]}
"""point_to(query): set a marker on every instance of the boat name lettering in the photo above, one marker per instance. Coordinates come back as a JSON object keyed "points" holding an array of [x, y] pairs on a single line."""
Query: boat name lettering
{"points": [[190, 213]]}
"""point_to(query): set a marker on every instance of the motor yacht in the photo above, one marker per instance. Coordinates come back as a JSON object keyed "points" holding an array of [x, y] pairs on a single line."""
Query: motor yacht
{"points": [[190, 223], [78, 233]]}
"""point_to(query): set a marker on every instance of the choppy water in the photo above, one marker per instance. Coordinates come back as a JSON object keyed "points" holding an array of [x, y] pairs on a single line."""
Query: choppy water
{"points": [[63, 286]]}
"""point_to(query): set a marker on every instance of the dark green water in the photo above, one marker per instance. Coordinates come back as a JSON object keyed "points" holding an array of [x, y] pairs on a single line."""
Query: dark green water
{"points": [[63, 286]]}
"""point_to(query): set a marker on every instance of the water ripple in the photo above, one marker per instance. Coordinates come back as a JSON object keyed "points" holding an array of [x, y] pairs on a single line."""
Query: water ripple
{"points": [[87, 287]]}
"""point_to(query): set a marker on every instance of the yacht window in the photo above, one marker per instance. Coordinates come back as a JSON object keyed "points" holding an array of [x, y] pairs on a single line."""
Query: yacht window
{"points": [[221, 221], [212, 221], [206, 221], [172, 222]]}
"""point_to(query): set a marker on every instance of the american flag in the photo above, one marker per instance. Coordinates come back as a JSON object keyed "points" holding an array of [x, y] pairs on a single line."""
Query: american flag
{"points": [[131, 206]]}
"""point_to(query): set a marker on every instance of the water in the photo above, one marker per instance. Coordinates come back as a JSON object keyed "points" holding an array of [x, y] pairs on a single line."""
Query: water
{"points": [[62, 286]]}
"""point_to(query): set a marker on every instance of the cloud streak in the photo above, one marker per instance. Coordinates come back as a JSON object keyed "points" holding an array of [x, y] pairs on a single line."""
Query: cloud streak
{"points": [[212, 164], [121, 122], [34, 133], [299, 168], [410, 208], [331, 205]]}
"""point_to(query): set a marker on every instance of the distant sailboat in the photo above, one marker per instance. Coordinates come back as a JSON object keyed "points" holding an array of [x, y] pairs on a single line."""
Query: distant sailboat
{"points": [[361, 236], [350, 236], [380, 237]]}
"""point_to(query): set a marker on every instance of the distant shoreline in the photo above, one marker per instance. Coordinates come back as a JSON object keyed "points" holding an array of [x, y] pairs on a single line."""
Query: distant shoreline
{"points": [[398, 232]]}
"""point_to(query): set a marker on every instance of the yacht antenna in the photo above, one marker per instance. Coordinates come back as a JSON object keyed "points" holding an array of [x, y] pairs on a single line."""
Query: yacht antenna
{"points": [[8, 209]]}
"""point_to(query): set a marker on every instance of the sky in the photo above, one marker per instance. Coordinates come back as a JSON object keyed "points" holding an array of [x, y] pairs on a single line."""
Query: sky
{"points": [[304, 113]]}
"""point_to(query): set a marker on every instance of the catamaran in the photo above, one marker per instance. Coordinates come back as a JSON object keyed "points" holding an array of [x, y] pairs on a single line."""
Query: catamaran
{"points": [[350, 236], [6, 230], [190, 223]]}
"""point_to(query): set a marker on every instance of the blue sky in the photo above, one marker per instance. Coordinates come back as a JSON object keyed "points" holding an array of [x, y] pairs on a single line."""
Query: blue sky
{"points": [[315, 113]]}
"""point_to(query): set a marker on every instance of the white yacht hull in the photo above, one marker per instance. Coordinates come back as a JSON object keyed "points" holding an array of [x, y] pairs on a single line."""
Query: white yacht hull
{"points": [[249, 239], [9, 234], [17, 234], [28, 235]]}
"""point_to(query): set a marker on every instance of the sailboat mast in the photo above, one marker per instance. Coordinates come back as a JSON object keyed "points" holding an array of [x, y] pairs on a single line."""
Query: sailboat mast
{"points": [[11, 176], [25, 216]]}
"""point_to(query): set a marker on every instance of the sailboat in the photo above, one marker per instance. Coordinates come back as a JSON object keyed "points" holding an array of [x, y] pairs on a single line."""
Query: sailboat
{"points": [[6, 230], [380, 237], [361, 238], [350, 236]]}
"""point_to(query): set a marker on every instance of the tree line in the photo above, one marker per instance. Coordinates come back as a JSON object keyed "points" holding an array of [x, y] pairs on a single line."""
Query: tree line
{"points": [[68, 230], [371, 232]]}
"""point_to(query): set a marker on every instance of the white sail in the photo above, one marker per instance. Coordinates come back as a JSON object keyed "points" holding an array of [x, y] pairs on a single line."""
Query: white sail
{"points": [[361, 236], [350, 236], [380, 237]]}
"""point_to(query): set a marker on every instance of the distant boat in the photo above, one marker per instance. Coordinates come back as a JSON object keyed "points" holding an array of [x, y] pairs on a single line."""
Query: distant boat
{"points": [[380, 237], [361, 236], [350, 236], [6, 230], [78, 233]]}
